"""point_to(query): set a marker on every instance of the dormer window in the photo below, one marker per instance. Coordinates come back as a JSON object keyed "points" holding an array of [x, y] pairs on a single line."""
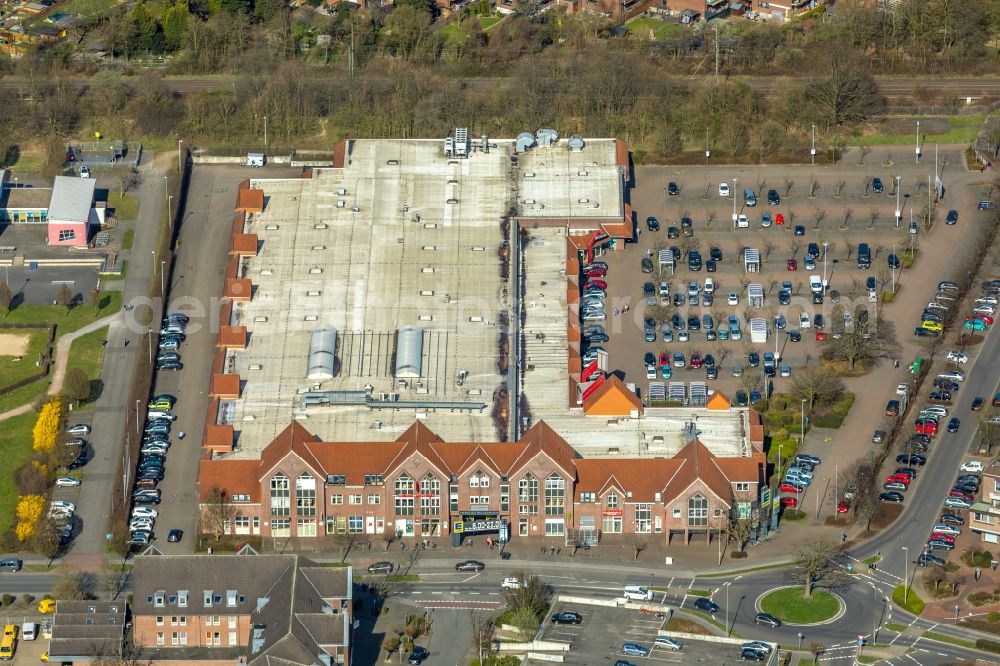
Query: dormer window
{"points": [[479, 480], [612, 500], [182, 598], [159, 598], [208, 598]]}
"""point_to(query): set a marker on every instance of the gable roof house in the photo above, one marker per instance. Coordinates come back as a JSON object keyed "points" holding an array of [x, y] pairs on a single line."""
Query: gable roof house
{"points": [[250, 609]]}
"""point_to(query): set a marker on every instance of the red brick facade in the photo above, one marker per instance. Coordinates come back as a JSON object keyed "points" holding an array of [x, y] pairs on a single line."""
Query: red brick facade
{"points": [[420, 487]]}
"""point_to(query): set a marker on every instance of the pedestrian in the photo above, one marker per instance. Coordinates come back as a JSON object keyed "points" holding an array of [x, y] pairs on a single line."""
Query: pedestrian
{"points": [[125, 344], [874, 566], [180, 435]]}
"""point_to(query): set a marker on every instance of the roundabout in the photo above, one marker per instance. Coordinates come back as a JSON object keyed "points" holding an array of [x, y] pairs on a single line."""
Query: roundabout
{"points": [[790, 606]]}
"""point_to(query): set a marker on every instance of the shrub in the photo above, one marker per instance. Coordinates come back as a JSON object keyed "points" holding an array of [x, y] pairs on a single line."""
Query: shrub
{"points": [[738, 554], [29, 510], [48, 425], [8, 599], [390, 644], [980, 598], [988, 645], [977, 558], [993, 616], [28, 598]]}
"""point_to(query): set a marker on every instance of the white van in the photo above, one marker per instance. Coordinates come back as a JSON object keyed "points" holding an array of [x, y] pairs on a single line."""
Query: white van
{"points": [[255, 160], [638, 593], [709, 285], [29, 631]]}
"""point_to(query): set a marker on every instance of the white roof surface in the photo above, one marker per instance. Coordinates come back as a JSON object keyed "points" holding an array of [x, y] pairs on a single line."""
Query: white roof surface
{"points": [[72, 199]]}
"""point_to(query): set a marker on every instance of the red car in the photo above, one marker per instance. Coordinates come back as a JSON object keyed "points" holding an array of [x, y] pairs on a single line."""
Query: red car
{"points": [[789, 488], [844, 506], [959, 494], [696, 360], [792, 265], [596, 273], [790, 502], [779, 219], [898, 478], [820, 336], [927, 428], [944, 537], [600, 284], [988, 320], [664, 359]]}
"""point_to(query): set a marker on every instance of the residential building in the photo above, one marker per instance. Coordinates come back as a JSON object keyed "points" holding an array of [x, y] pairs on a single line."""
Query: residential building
{"points": [[86, 630], [984, 516], [422, 487], [250, 609]]}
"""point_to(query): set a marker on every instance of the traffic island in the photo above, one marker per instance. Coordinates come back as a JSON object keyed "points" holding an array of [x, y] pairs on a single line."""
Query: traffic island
{"points": [[791, 606]]}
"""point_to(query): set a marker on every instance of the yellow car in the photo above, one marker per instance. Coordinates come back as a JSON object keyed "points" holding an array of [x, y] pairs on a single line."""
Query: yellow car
{"points": [[47, 606], [44, 657], [932, 326], [10, 631]]}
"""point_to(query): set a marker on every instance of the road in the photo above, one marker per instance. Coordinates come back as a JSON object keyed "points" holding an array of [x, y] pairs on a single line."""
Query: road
{"points": [[891, 88]]}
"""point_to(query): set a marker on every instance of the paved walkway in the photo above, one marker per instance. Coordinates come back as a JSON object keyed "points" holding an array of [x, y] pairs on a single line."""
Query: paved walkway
{"points": [[59, 365]]}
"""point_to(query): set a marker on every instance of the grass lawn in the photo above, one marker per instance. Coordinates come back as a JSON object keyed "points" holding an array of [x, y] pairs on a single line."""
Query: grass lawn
{"points": [[15, 450], [77, 317], [686, 626], [88, 7], [12, 369], [87, 354], [128, 238], [641, 26], [867, 659], [914, 604], [944, 638], [893, 626], [789, 605], [23, 395], [487, 22], [126, 208], [873, 559], [902, 130]]}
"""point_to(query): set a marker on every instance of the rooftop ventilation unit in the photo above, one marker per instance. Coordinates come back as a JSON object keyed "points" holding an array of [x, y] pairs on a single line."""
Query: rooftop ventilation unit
{"points": [[461, 142], [576, 143], [546, 137], [524, 141]]}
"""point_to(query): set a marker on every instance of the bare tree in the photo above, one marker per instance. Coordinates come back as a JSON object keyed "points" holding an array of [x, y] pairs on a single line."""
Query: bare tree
{"points": [[848, 213], [388, 538], [218, 513], [788, 186], [114, 577], [761, 184], [863, 344], [483, 632], [769, 247], [820, 215], [73, 584], [840, 188], [863, 150], [813, 187], [816, 649], [887, 159], [817, 386], [816, 564], [740, 528], [639, 544], [849, 248], [65, 297], [709, 217], [794, 245], [126, 180]]}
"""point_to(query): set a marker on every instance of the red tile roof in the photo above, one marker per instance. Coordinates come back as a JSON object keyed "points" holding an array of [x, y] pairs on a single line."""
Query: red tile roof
{"points": [[224, 386], [642, 477], [238, 290], [612, 398], [236, 477], [219, 437], [232, 337], [697, 463], [250, 201], [244, 245], [340, 154], [292, 439]]}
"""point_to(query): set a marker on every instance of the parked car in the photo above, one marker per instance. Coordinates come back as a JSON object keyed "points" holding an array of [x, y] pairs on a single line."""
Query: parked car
{"points": [[707, 605], [470, 565], [891, 496], [567, 617], [634, 649]]}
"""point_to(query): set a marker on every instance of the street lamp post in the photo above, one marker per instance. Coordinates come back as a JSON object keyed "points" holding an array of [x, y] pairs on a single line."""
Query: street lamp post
{"points": [[826, 244], [163, 289], [812, 152], [726, 585], [918, 142], [137, 416], [906, 583], [170, 208], [180, 161], [899, 213], [733, 193], [801, 636], [149, 344], [802, 421]]}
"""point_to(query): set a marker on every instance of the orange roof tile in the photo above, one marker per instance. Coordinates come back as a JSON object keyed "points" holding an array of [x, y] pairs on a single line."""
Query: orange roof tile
{"points": [[621, 158], [541, 438], [613, 398], [573, 333], [225, 386], [236, 477], [642, 477], [250, 201], [219, 437], [238, 290], [244, 245], [572, 293], [340, 154], [719, 401], [232, 337], [293, 439], [618, 229], [579, 242]]}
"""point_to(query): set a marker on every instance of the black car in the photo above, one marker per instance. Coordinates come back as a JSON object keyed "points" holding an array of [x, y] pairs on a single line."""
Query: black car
{"points": [[911, 459], [752, 655], [648, 289], [677, 322], [686, 226], [567, 617], [952, 519], [417, 655], [772, 197], [649, 358], [711, 266], [952, 217], [940, 395], [470, 565], [672, 189], [877, 185], [928, 560], [693, 323], [785, 297], [673, 232], [818, 322], [174, 535], [894, 261], [647, 265], [794, 336], [971, 488], [817, 298], [753, 359], [597, 337], [170, 365], [800, 230], [715, 253], [678, 300], [742, 399], [380, 567], [953, 424], [706, 604], [977, 404], [676, 251], [652, 223], [768, 619], [891, 496]]}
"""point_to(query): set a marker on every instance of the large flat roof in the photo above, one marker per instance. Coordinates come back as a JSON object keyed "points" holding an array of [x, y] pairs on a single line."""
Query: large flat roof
{"points": [[72, 199], [395, 253], [559, 182]]}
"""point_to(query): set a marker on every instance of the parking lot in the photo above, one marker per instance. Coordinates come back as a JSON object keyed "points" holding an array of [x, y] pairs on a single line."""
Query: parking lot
{"points": [[836, 210], [604, 629]]}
